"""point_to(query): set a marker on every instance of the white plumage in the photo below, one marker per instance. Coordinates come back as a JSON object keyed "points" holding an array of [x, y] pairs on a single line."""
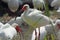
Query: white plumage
{"points": [[7, 33], [38, 4], [58, 29], [42, 33], [6, 26], [34, 17], [1, 24], [58, 10], [13, 5], [57, 21], [18, 20], [48, 28], [56, 4]]}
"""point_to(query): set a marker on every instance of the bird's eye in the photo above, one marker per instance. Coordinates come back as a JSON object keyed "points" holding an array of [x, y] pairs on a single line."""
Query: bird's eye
{"points": [[25, 6]]}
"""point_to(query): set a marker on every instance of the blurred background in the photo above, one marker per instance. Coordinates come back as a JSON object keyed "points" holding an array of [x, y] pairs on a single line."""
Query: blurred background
{"points": [[6, 13]]}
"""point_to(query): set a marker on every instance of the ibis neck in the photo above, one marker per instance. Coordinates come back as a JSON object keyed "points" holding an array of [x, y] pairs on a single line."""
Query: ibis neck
{"points": [[26, 12]]}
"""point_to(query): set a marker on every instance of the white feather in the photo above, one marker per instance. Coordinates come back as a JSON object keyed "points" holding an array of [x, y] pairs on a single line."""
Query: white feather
{"points": [[7, 33], [38, 3], [13, 5], [43, 33], [18, 21], [47, 29]]}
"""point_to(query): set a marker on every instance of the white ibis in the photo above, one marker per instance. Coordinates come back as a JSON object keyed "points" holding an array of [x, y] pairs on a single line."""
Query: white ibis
{"points": [[13, 5], [34, 17], [9, 32], [18, 20], [49, 29], [55, 3], [38, 4], [58, 29]]}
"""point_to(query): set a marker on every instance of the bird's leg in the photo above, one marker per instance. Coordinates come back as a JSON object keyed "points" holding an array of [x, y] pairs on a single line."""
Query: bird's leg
{"points": [[39, 34], [36, 35], [15, 18], [22, 36]]}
